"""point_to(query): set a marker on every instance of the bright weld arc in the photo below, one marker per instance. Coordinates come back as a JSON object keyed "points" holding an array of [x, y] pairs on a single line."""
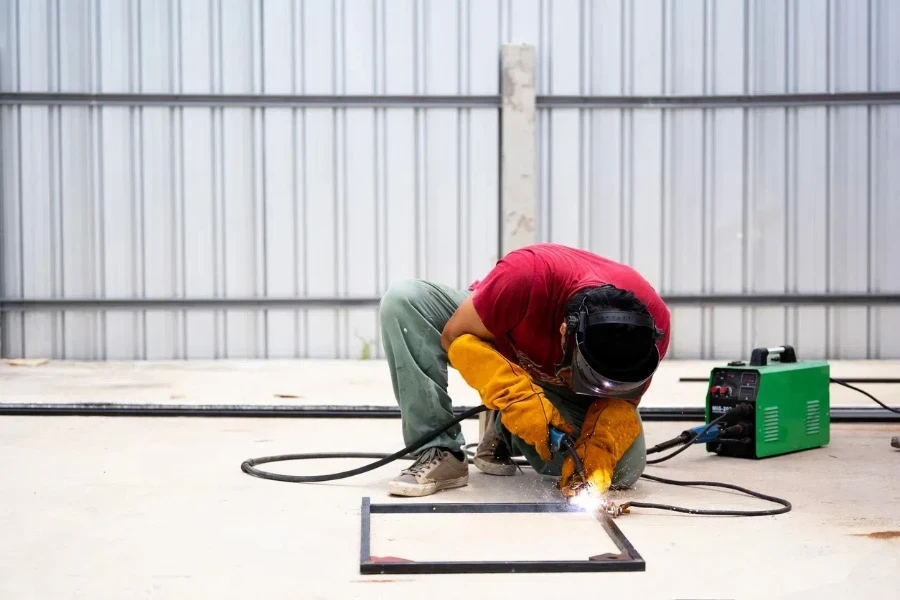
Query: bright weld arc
{"points": [[588, 501]]}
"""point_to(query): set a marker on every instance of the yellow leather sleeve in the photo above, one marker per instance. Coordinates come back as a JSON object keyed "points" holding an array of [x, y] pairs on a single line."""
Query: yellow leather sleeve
{"points": [[504, 386]]}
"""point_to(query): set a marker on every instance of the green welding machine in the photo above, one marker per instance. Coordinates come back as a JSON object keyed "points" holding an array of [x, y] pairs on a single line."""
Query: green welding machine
{"points": [[773, 405]]}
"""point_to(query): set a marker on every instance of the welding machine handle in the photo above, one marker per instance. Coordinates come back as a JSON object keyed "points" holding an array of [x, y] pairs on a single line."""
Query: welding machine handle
{"points": [[759, 356]]}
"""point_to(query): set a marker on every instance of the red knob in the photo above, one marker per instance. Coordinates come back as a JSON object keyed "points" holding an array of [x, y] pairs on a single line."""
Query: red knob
{"points": [[715, 390]]}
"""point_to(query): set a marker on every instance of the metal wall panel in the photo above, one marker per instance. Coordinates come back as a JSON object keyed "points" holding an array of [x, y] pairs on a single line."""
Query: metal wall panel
{"points": [[196, 201], [204, 202], [731, 200]]}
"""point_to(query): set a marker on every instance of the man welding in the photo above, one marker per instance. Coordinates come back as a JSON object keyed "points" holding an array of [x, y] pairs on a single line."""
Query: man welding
{"points": [[553, 337]]}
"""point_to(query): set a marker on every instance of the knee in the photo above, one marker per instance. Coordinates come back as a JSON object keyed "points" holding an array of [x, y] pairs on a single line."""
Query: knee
{"points": [[400, 299]]}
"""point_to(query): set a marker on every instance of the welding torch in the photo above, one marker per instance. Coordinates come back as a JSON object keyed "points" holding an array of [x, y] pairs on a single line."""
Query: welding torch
{"points": [[560, 440]]}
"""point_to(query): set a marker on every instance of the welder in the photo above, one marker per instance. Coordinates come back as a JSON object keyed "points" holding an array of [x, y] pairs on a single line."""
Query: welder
{"points": [[552, 337]]}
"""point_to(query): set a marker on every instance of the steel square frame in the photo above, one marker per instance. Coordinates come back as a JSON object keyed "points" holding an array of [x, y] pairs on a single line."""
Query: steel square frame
{"points": [[628, 558]]}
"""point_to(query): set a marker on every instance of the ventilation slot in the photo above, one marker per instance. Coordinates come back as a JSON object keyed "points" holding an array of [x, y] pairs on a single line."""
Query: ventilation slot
{"points": [[813, 421], [770, 424]]}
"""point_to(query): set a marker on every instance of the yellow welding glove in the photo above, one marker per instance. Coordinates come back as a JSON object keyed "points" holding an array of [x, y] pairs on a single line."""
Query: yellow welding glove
{"points": [[504, 386], [610, 427]]}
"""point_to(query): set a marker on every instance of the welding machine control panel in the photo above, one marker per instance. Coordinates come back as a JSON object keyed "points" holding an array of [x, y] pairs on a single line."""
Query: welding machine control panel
{"points": [[734, 384]]}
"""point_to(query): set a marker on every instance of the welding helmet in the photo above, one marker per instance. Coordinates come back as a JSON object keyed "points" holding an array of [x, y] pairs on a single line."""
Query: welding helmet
{"points": [[606, 360]]}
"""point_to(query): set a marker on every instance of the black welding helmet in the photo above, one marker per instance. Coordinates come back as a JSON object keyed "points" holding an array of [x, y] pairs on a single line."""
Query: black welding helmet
{"points": [[609, 360]]}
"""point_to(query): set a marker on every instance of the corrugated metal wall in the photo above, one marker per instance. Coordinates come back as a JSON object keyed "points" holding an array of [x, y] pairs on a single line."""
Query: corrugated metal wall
{"points": [[165, 202], [731, 200]]}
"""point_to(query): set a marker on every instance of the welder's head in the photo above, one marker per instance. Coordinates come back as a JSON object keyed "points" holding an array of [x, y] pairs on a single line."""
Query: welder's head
{"points": [[609, 343]]}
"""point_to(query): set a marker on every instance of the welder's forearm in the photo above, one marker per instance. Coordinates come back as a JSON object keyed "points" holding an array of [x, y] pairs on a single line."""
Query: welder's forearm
{"points": [[464, 321]]}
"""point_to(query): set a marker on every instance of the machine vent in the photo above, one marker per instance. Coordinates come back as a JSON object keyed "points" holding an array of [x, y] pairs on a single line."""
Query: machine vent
{"points": [[770, 424], [813, 422]]}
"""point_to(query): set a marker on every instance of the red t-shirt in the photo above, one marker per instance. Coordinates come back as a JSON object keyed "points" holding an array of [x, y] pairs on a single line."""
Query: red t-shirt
{"points": [[522, 301]]}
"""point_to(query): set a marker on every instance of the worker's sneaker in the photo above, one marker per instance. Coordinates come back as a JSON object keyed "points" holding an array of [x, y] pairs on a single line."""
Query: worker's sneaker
{"points": [[435, 469], [492, 455], [895, 442]]}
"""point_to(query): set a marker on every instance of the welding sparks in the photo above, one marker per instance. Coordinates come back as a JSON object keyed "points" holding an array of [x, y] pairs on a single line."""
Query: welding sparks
{"points": [[588, 501]]}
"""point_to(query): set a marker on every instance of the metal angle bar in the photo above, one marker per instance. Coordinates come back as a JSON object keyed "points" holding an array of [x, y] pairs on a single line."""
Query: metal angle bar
{"points": [[365, 542], [547, 566], [274, 411], [249, 100], [781, 299], [744, 101], [848, 414], [448, 101], [887, 380], [485, 507], [628, 559], [262, 303], [56, 304], [621, 542]]}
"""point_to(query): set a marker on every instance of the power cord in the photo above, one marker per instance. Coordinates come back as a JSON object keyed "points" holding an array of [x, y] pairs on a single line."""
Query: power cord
{"points": [[686, 439], [865, 393], [786, 506], [249, 465]]}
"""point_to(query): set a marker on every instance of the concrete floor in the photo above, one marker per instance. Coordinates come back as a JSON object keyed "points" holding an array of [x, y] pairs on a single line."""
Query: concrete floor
{"points": [[158, 507]]}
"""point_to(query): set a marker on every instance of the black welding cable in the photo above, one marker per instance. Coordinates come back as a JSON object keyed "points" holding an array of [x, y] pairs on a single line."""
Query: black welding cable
{"points": [[249, 465], [688, 443], [785, 505], [865, 393]]}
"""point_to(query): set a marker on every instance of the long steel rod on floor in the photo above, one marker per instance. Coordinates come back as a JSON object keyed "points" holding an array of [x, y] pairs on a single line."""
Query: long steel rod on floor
{"points": [[72, 304], [849, 414], [889, 380]]}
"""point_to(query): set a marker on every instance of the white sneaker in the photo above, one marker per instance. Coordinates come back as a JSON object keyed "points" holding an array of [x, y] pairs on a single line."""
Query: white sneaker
{"points": [[435, 469]]}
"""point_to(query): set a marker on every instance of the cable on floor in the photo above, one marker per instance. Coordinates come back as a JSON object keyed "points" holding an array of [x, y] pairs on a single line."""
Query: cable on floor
{"points": [[785, 505], [249, 465], [865, 393]]}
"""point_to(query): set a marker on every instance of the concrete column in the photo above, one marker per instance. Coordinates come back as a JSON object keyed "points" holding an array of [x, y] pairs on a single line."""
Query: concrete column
{"points": [[518, 149], [518, 155]]}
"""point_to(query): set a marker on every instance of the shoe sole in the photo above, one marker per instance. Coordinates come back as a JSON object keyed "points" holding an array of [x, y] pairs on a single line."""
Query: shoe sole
{"points": [[493, 468], [414, 490]]}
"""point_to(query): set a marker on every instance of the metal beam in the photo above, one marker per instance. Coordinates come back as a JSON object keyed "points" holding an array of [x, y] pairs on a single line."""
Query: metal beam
{"points": [[248, 100], [67, 304], [850, 414], [861, 299], [886, 380], [93, 304], [735, 101], [447, 101]]}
